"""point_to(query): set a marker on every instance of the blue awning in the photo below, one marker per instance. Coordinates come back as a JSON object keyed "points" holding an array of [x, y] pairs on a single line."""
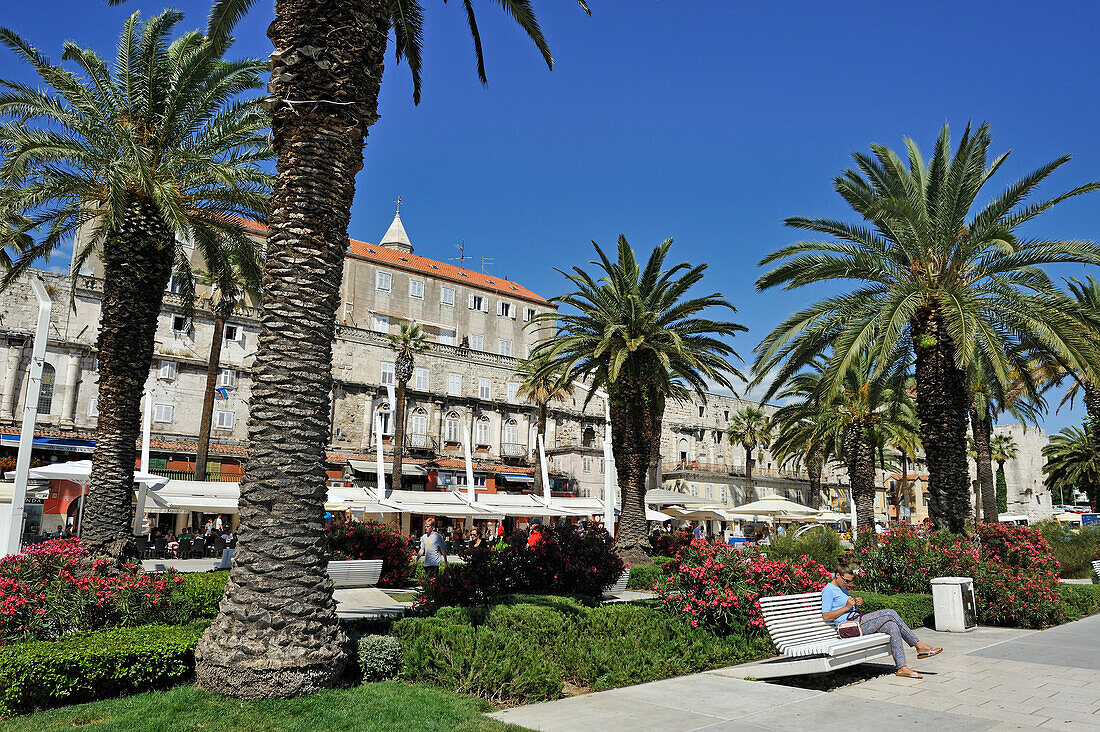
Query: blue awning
{"points": [[516, 477], [63, 444]]}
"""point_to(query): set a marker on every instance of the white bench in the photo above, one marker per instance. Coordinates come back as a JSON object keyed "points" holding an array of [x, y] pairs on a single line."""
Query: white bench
{"points": [[355, 572], [618, 587], [226, 561], [1096, 567], [807, 644]]}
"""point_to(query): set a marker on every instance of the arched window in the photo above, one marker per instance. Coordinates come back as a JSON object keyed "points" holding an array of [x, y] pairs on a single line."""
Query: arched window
{"points": [[481, 431], [452, 428], [45, 392], [418, 422], [383, 413], [511, 432], [683, 450], [589, 438]]}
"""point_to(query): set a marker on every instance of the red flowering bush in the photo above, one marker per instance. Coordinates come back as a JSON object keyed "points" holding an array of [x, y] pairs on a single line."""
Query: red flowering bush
{"points": [[374, 540], [566, 559], [667, 544], [1014, 570], [55, 588], [717, 586]]}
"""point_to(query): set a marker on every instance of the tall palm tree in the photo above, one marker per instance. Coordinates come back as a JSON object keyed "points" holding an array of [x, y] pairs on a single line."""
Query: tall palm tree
{"points": [[636, 334], [1002, 448], [933, 279], [326, 73], [751, 429], [1071, 465], [228, 280], [407, 343], [138, 156], [542, 383]]}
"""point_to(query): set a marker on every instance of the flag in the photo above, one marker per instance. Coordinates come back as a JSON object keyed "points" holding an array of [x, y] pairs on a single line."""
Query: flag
{"points": [[221, 392]]}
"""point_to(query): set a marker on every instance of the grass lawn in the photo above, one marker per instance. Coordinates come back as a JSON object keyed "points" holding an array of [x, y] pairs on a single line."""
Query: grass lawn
{"points": [[388, 706]]}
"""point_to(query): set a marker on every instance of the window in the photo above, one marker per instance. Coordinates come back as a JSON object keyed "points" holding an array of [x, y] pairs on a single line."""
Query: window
{"points": [[477, 302], [93, 407], [447, 337], [234, 333], [225, 419], [180, 324], [529, 315], [418, 424], [349, 308], [384, 416], [421, 382], [477, 343], [557, 464], [505, 347], [175, 283], [588, 437], [506, 310], [513, 391], [603, 466], [511, 432], [452, 429], [384, 281], [484, 389], [454, 385], [387, 373], [416, 289], [168, 370], [45, 390], [586, 465], [228, 378], [726, 415], [380, 323], [481, 432], [163, 413], [702, 410], [447, 296]]}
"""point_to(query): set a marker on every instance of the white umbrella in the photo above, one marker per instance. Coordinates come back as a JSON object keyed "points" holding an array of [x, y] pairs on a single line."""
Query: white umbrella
{"points": [[774, 505], [80, 471], [665, 497], [651, 515], [831, 517], [1067, 518]]}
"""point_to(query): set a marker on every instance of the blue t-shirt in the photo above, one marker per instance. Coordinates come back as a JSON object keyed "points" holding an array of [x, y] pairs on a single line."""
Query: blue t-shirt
{"points": [[834, 598], [435, 547]]}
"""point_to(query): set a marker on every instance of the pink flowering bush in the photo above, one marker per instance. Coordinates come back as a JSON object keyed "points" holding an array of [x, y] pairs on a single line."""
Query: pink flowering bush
{"points": [[55, 588], [373, 540], [718, 587], [1014, 570]]}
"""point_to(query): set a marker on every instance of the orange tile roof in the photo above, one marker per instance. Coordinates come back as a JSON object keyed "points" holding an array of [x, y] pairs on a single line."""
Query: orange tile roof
{"points": [[441, 270]]}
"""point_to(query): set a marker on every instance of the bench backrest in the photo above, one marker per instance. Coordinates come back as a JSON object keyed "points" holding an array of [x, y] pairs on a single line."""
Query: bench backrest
{"points": [[795, 620], [1096, 566], [355, 572]]}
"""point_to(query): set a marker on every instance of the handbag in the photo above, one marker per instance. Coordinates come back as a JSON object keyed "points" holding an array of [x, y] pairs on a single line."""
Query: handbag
{"points": [[851, 628]]}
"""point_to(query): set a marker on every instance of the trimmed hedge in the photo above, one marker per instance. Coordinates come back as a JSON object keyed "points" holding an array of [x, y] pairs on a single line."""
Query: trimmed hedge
{"points": [[642, 577], [197, 596], [915, 609], [1079, 600], [87, 666]]}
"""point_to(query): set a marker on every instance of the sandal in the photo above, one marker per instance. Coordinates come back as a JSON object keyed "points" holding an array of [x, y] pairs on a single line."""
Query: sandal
{"points": [[933, 652], [909, 674]]}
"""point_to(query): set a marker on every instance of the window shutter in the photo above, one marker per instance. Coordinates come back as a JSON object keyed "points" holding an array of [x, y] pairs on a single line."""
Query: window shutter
{"points": [[484, 304]]}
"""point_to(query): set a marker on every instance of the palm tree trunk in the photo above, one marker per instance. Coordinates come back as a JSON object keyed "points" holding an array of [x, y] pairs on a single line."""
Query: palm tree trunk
{"points": [[398, 433], [859, 453], [208, 394], [748, 474], [1092, 409], [277, 634], [942, 403], [540, 429], [814, 467], [982, 430], [632, 434], [137, 263]]}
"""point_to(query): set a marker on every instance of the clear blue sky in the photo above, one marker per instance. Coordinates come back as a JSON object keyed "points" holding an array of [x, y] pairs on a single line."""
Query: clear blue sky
{"points": [[708, 122]]}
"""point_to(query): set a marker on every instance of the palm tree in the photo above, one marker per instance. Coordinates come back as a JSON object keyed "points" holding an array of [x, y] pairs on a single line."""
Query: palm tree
{"points": [[231, 278], [407, 343], [542, 384], [935, 281], [750, 428], [1002, 448], [326, 74], [805, 429], [138, 156], [636, 335], [1071, 465]]}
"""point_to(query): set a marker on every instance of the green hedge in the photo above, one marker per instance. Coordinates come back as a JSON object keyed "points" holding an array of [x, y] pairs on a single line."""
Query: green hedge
{"points": [[643, 577], [197, 596], [915, 609], [1079, 600], [91, 666], [523, 650]]}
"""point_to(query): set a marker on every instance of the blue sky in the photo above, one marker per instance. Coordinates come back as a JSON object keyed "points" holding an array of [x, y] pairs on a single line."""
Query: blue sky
{"points": [[708, 122]]}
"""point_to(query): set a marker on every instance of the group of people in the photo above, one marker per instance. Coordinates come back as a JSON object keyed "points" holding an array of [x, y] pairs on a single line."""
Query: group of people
{"points": [[460, 541], [214, 529]]}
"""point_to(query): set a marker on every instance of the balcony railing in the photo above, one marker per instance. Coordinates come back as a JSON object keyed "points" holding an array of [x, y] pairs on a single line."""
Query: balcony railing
{"points": [[211, 477], [702, 466], [419, 442], [514, 450]]}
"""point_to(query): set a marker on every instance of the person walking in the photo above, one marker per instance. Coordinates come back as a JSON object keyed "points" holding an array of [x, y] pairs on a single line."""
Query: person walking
{"points": [[837, 605], [433, 548]]}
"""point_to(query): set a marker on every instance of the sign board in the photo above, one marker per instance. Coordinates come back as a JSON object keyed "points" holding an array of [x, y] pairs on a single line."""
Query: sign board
{"points": [[1090, 518]]}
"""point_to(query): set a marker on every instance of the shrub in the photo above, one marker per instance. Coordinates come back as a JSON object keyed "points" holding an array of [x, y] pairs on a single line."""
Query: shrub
{"points": [[668, 544], [1075, 549], [565, 560], [915, 609], [717, 586], [644, 577], [374, 540], [1080, 600], [56, 588], [196, 597], [379, 657], [88, 666], [821, 544]]}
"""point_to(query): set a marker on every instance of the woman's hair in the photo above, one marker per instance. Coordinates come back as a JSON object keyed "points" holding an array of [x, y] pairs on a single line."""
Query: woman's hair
{"points": [[843, 568]]}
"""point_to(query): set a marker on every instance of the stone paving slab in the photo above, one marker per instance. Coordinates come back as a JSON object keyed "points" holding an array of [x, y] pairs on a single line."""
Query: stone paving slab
{"points": [[364, 602]]}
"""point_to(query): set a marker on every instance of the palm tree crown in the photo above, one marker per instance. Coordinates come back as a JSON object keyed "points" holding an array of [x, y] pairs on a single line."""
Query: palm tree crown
{"points": [[931, 280], [1072, 466], [407, 343]]}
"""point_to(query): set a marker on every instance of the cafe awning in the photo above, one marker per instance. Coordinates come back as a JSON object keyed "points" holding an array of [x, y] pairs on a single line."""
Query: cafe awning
{"points": [[523, 505], [516, 477], [370, 468], [180, 496], [433, 503]]}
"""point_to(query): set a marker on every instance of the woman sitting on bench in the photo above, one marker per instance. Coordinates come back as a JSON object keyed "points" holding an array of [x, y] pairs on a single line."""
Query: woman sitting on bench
{"points": [[837, 605]]}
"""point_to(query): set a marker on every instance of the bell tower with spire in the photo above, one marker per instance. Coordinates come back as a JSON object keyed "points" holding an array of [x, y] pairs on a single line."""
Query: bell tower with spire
{"points": [[395, 236]]}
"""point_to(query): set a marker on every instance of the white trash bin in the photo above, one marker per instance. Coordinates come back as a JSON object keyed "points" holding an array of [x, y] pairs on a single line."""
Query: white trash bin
{"points": [[953, 602]]}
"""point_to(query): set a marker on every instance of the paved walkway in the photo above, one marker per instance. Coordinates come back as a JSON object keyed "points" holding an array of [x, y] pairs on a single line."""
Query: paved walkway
{"points": [[989, 679]]}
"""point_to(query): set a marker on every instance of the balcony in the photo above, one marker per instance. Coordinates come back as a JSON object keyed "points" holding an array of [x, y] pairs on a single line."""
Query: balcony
{"points": [[513, 450], [211, 477], [420, 442], [702, 466]]}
